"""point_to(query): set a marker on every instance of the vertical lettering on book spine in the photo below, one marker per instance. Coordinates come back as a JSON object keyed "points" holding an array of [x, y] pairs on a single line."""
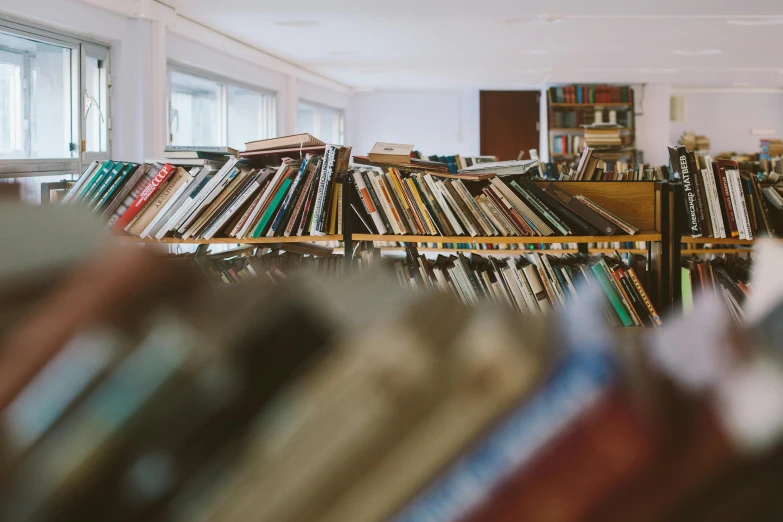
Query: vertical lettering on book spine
{"points": [[690, 196]]}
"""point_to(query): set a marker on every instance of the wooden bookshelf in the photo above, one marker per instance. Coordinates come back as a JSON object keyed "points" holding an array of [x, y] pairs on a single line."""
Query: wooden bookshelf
{"points": [[233, 240], [498, 240], [513, 252], [707, 251], [688, 240], [592, 106], [580, 129]]}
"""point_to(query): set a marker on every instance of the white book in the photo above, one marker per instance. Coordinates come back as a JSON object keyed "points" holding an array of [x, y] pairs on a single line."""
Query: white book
{"points": [[164, 213], [516, 291], [709, 176], [458, 284], [266, 195], [198, 203], [735, 201], [443, 205], [534, 280], [77, 187], [372, 176], [492, 214], [743, 205], [368, 203], [320, 203], [450, 199], [185, 204]]}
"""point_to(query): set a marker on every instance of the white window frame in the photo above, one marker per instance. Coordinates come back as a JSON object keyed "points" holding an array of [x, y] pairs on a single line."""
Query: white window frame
{"points": [[80, 46], [224, 82], [317, 120]]}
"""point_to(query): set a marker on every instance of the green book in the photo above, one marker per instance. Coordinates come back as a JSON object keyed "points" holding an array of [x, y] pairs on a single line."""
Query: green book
{"points": [[105, 169], [610, 292], [106, 182], [270, 210], [687, 289], [116, 184]]}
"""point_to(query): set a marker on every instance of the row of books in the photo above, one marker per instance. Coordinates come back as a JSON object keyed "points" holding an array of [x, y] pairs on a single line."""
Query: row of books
{"points": [[455, 162], [534, 284], [720, 200], [590, 94], [563, 144], [399, 202], [575, 119], [500, 247], [228, 199], [156, 396], [728, 275]]}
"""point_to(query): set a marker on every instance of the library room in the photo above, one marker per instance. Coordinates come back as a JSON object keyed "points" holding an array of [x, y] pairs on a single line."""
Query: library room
{"points": [[431, 261]]}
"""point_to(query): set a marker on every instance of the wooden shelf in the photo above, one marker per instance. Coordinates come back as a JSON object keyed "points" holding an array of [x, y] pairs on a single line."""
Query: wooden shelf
{"points": [[641, 236], [232, 240], [626, 105], [702, 251], [513, 252], [688, 240]]}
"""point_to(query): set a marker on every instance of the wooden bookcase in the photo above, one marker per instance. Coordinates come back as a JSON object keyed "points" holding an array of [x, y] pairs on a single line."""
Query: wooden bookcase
{"points": [[627, 152]]}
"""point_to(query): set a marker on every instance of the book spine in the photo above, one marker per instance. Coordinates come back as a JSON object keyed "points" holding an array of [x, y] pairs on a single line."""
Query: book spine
{"points": [[421, 207], [440, 200], [726, 197], [576, 384], [385, 208], [399, 199], [292, 193], [523, 228], [539, 293], [718, 214], [635, 306], [611, 293], [440, 219], [368, 203], [104, 184], [309, 202], [234, 207], [471, 204], [300, 203], [742, 204], [625, 226], [689, 195], [85, 176], [643, 294], [582, 210], [149, 191], [390, 204], [492, 214], [449, 197], [701, 200], [246, 215], [133, 186], [762, 204], [116, 184], [184, 183], [542, 209], [552, 276], [733, 197], [524, 286], [319, 212], [258, 231], [266, 195]]}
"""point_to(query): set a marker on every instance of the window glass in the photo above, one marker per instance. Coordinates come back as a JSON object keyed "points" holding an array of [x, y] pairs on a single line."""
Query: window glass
{"points": [[195, 117], [251, 116], [36, 109], [325, 123], [96, 99]]}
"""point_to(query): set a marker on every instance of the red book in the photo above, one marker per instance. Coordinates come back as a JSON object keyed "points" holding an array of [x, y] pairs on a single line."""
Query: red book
{"points": [[147, 194], [723, 190], [583, 467]]}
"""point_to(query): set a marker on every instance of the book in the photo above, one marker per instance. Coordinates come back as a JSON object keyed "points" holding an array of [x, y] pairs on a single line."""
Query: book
{"points": [[581, 210], [394, 153], [284, 142], [144, 197]]}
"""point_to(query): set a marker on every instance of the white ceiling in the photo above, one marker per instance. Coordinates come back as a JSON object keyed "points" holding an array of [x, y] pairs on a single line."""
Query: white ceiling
{"points": [[505, 44]]}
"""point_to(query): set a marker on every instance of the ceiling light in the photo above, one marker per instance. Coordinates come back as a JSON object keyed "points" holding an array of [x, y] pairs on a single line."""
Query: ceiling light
{"points": [[536, 52], [697, 52], [756, 21], [297, 23]]}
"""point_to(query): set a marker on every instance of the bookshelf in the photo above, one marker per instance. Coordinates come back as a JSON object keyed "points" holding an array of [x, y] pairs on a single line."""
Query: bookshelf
{"points": [[566, 120], [233, 240]]}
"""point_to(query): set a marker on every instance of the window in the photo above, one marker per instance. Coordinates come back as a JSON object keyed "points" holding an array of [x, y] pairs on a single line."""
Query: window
{"points": [[209, 111], [54, 100], [325, 123]]}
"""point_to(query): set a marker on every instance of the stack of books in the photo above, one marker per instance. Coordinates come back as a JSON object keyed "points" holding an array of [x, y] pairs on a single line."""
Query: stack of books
{"points": [[535, 284], [400, 202], [723, 202], [455, 162], [728, 275], [202, 199], [605, 135], [591, 168], [694, 142]]}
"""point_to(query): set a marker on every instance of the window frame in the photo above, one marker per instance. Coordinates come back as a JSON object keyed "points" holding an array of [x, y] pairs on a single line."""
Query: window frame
{"points": [[225, 82], [317, 121], [17, 168]]}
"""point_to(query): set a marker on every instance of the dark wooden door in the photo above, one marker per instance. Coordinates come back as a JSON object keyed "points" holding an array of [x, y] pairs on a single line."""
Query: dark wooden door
{"points": [[509, 123]]}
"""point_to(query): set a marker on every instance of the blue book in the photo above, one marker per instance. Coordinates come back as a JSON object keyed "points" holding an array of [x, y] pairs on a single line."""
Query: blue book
{"points": [[576, 383]]}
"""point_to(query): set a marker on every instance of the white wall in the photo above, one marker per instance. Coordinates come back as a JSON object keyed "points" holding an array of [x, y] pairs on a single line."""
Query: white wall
{"points": [[652, 122], [727, 118], [435, 122]]}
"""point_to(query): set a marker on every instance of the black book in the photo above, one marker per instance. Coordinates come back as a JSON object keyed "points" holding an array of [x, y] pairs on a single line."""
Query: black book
{"points": [[680, 163], [573, 220], [364, 218]]}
